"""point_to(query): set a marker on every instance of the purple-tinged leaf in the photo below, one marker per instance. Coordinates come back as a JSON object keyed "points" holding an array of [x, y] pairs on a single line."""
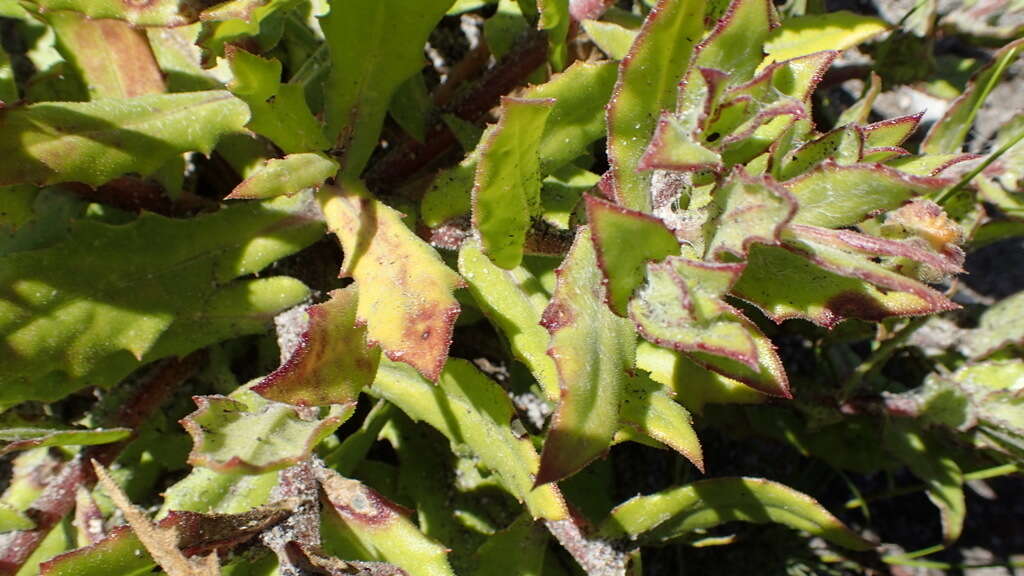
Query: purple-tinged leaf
{"points": [[248, 434], [625, 241], [332, 362], [405, 289], [647, 85], [833, 196], [593, 350], [947, 136], [891, 132], [506, 192], [870, 246], [745, 210], [682, 307], [734, 46]]}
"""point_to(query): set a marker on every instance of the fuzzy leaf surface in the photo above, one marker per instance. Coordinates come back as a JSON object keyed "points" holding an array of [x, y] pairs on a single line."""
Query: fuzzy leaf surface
{"points": [[405, 290], [375, 47], [332, 362], [705, 504], [593, 350], [95, 142], [648, 407], [743, 211], [514, 301], [506, 192], [249, 434], [682, 307], [88, 311], [647, 84], [286, 176], [470, 409]]}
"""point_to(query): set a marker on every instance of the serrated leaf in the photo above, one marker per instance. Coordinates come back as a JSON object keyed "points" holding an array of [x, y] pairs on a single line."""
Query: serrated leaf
{"points": [[734, 46], [593, 350], [816, 32], [470, 409], [506, 190], [580, 94], [95, 142], [891, 132], [705, 504], [999, 326], [776, 280], [940, 473], [88, 311], [649, 408], [834, 196], [674, 145], [285, 176], [279, 111], [948, 134], [647, 85], [332, 362], [375, 47], [155, 13], [625, 241], [694, 386], [513, 301], [248, 434], [743, 211], [113, 58], [405, 290], [16, 436], [681, 307], [358, 519]]}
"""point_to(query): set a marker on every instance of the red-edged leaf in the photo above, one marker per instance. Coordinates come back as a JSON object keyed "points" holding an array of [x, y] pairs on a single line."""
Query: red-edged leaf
{"points": [[891, 132], [626, 240], [332, 362], [745, 210], [682, 307], [593, 350]]}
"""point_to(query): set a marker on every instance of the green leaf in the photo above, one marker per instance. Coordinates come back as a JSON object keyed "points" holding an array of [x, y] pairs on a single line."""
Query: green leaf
{"points": [[734, 46], [506, 191], [88, 311], [647, 84], [411, 106], [705, 504], [8, 88], [248, 434], [156, 13], [471, 410], [682, 307], [613, 39], [375, 47], [693, 385], [625, 241], [208, 492], [999, 326], [834, 196], [13, 519], [359, 521], [843, 145], [518, 549], [816, 32], [593, 350], [95, 142], [405, 290], [891, 132], [743, 211], [948, 134], [939, 472], [554, 18], [279, 111], [332, 362], [16, 435], [648, 407], [113, 58], [574, 123], [513, 301], [285, 176]]}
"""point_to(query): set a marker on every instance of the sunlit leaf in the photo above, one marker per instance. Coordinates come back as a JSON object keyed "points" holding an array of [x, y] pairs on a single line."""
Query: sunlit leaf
{"points": [[16, 435], [648, 407], [405, 290], [815, 32], [705, 504], [94, 142], [286, 176], [999, 326], [593, 350], [743, 211], [375, 47]]}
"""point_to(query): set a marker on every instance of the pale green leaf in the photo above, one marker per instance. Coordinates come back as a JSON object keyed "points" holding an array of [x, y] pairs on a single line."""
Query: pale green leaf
{"points": [[286, 176], [743, 211], [648, 407], [95, 142], [816, 32], [999, 326], [613, 39]]}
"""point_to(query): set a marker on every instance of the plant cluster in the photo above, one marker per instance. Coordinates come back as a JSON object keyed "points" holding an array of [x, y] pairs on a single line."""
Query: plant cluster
{"points": [[577, 238]]}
